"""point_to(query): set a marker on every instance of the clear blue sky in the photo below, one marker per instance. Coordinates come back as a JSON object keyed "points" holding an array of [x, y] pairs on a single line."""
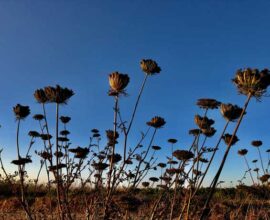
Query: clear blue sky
{"points": [[198, 44]]}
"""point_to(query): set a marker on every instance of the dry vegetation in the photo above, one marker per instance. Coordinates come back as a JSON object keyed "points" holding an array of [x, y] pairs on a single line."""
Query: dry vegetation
{"points": [[96, 182]]}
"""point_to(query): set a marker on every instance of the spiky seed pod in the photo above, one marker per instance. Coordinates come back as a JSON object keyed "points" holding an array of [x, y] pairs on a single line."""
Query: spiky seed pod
{"points": [[227, 139], [203, 122], [230, 112], [208, 103], [45, 137], [172, 141], [172, 171], [265, 178], [63, 139], [150, 67], [145, 184], [167, 179], [38, 117], [209, 132], [100, 166], [156, 122], [118, 82], [21, 111], [252, 81], [156, 147], [40, 96], [65, 119], [183, 155], [94, 130], [256, 143], [33, 134], [58, 94], [195, 132], [116, 158], [162, 165], [22, 161], [242, 152], [153, 179]]}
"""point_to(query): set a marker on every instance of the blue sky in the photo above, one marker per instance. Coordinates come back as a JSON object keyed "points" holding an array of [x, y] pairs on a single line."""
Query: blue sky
{"points": [[198, 44]]}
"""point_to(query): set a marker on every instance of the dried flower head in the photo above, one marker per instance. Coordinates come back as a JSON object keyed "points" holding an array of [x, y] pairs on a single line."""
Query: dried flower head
{"points": [[242, 152], [100, 166], [58, 94], [22, 161], [208, 103], [209, 132], [145, 184], [118, 82], [230, 112], [195, 132], [150, 67], [153, 179], [162, 165], [21, 111], [156, 147], [40, 96], [227, 138], [156, 122], [94, 130], [172, 141], [57, 167], [256, 143], [45, 137], [79, 152], [183, 155], [203, 122], [254, 161], [64, 132], [265, 178], [38, 117], [33, 134], [115, 159], [65, 119], [252, 81]]}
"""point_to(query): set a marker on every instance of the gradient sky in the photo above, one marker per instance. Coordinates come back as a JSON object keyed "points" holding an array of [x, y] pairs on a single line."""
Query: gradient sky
{"points": [[198, 44]]}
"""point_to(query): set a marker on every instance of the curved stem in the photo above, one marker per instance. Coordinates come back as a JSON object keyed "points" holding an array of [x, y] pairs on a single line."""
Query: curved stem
{"points": [[249, 170]]}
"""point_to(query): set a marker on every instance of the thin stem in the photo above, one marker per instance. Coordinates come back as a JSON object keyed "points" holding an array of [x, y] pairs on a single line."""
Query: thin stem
{"points": [[249, 170], [261, 159]]}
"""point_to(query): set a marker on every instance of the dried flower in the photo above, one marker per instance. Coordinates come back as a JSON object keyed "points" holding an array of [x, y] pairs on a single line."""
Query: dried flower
{"points": [[209, 132], [64, 132], [22, 161], [208, 103], [58, 94], [38, 117], [242, 152], [45, 155], [65, 119], [172, 141], [252, 81], [40, 96], [116, 158], [33, 134], [145, 184], [153, 179], [162, 165], [256, 143], [203, 122], [94, 130], [79, 152], [21, 111], [195, 132], [183, 155], [150, 67], [156, 122], [230, 112], [227, 138], [265, 178], [118, 82], [156, 147], [45, 137], [100, 166]]}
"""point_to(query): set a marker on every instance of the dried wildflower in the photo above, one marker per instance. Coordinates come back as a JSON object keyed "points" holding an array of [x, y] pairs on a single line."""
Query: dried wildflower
{"points": [[118, 82], [45, 137], [100, 166], [33, 134], [58, 154], [183, 155], [22, 161], [256, 170], [145, 184], [45, 155], [267, 151], [197, 172], [194, 132], [38, 117], [203, 160], [156, 122], [227, 138], [172, 141], [156, 147], [265, 178], [172, 171], [65, 119], [21, 111], [58, 94], [162, 165], [96, 135], [254, 161], [128, 161], [165, 178], [208, 103], [63, 139], [94, 130], [209, 132], [40, 96], [230, 112], [256, 143], [150, 67], [252, 81], [203, 122], [242, 152], [64, 132], [57, 167], [153, 179], [116, 158], [173, 162], [79, 152]]}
